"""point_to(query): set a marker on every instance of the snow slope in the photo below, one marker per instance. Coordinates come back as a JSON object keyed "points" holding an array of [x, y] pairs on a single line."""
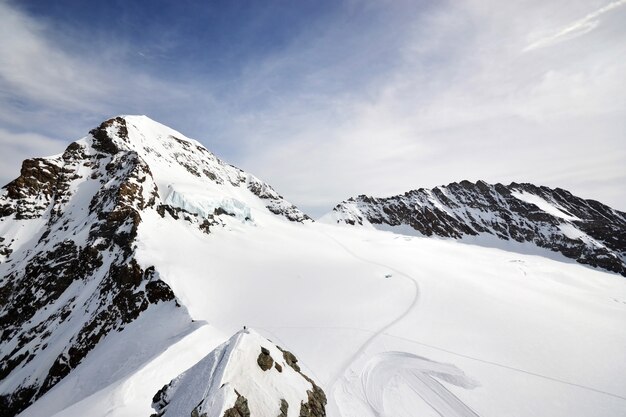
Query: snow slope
{"points": [[486, 331]]}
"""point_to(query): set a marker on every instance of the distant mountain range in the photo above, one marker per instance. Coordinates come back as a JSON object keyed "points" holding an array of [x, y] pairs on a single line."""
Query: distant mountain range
{"points": [[585, 230]]}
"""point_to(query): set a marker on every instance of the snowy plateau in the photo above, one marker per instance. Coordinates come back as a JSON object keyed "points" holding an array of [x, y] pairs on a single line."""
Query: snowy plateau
{"points": [[131, 262]]}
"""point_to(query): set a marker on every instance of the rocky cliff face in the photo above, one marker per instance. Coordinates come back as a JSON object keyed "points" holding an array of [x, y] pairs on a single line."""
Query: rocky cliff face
{"points": [[585, 230], [68, 223], [246, 376]]}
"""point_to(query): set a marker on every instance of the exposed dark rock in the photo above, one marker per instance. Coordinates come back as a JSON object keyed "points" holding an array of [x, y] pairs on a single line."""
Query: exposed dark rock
{"points": [[240, 409], [103, 142], [12, 363], [284, 408], [159, 401], [159, 291], [37, 176], [316, 404], [12, 405], [265, 360], [182, 143], [74, 151], [291, 212], [205, 226], [210, 175], [32, 190], [174, 212], [220, 211], [275, 202], [291, 359], [203, 223], [177, 397]]}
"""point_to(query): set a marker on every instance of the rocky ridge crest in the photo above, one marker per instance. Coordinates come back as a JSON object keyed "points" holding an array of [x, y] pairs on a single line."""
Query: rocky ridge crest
{"points": [[584, 230]]}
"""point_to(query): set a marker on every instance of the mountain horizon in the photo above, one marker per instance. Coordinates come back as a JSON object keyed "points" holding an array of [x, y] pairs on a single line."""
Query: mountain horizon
{"points": [[134, 255]]}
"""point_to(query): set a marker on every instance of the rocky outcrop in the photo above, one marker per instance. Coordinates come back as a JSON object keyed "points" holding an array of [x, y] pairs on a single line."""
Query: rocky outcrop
{"points": [[31, 192], [239, 409], [585, 230], [265, 360], [284, 408], [275, 202], [315, 406]]}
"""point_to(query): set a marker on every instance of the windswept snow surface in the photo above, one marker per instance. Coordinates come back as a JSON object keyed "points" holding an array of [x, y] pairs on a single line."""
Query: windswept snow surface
{"points": [[132, 394], [528, 331], [528, 335], [488, 332], [118, 358]]}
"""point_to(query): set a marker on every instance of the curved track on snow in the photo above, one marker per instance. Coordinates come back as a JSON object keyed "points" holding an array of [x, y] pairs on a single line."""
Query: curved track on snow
{"points": [[421, 376], [387, 326], [342, 370]]}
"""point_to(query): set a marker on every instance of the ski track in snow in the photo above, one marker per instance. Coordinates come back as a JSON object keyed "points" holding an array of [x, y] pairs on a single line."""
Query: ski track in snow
{"points": [[419, 374], [511, 368], [386, 327]]}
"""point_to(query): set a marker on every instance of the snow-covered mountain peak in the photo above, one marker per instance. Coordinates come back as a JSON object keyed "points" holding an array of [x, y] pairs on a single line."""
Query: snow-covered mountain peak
{"points": [[246, 376], [585, 230], [188, 175], [69, 274], [141, 130]]}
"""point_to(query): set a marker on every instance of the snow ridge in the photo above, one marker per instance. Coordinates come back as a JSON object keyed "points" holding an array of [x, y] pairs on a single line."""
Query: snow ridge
{"points": [[248, 375]]}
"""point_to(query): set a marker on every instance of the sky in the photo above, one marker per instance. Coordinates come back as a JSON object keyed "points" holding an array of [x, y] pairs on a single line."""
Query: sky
{"points": [[330, 99]]}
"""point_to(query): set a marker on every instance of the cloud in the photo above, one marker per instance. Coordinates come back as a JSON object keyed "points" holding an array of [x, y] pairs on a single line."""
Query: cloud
{"points": [[377, 99], [62, 85], [461, 102], [577, 28], [32, 69]]}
